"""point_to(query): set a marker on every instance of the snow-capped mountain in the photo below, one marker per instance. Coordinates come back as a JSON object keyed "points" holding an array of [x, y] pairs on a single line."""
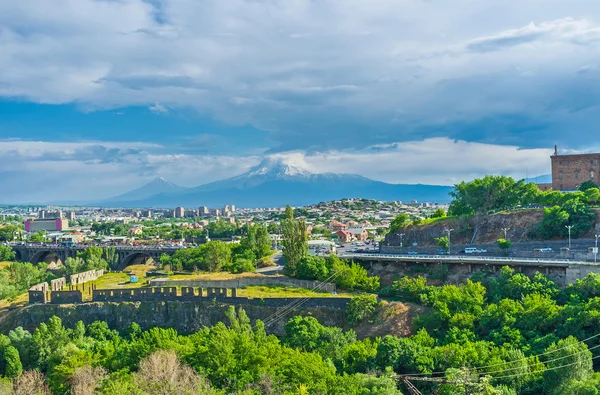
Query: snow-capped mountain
{"points": [[155, 187], [273, 183]]}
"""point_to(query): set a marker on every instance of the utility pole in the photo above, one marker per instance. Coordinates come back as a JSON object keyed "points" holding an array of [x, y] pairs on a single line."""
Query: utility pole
{"points": [[569, 227], [448, 231], [505, 233], [401, 237]]}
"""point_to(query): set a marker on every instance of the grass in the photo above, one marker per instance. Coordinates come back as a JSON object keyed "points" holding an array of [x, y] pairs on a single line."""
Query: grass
{"points": [[213, 276], [275, 291], [428, 221]]}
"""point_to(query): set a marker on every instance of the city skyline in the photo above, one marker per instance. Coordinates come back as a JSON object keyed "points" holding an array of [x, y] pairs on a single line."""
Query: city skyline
{"points": [[98, 97]]}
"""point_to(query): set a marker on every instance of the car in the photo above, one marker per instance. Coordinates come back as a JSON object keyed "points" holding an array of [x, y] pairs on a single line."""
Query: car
{"points": [[441, 252], [543, 249], [412, 253], [481, 251]]}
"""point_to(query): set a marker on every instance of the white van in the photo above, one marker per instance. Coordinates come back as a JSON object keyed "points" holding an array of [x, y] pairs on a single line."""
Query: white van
{"points": [[471, 250]]}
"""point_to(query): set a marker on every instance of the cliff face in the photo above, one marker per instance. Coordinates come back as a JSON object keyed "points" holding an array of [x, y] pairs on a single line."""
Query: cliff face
{"points": [[185, 317], [486, 229]]}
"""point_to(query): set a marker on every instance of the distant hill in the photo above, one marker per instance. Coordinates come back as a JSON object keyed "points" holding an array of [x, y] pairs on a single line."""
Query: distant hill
{"points": [[275, 184], [543, 179], [155, 187]]}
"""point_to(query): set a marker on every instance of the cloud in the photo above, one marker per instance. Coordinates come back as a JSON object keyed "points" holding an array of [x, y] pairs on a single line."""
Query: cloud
{"points": [[90, 171], [318, 75], [158, 109]]}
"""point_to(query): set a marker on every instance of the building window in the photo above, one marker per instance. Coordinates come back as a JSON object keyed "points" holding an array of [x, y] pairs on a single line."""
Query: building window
{"points": [[592, 174], [560, 176]]}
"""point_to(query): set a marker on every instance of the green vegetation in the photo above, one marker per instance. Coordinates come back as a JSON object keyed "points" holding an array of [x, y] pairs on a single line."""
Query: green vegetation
{"points": [[18, 277], [295, 241], [401, 221], [439, 213], [350, 277], [6, 253], [504, 244], [217, 255], [495, 193], [362, 307], [239, 358], [443, 242]]}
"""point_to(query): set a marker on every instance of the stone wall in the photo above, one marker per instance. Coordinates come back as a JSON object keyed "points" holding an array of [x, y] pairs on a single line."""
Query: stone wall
{"points": [[65, 297], [84, 277], [158, 294], [58, 284], [184, 316], [40, 287], [568, 171], [244, 282]]}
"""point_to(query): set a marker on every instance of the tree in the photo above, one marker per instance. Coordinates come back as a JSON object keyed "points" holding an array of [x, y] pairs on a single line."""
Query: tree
{"points": [[584, 186], [13, 362], [592, 196], [554, 222], [439, 213], [401, 221], [361, 307], [217, 254], [442, 242], [295, 241], [577, 363], [504, 244], [6, 253]]}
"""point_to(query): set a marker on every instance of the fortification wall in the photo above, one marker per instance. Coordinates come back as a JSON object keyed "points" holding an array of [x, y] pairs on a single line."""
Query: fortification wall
{"points": [[244, 282], [163, 294], [65, 297], [184, 316], [40, 287], [58, 284], [84, 277]]}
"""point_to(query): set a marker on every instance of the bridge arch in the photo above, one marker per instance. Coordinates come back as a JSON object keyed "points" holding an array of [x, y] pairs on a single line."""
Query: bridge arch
{"points": [[18, 255], [47, 256], [136, 258]]}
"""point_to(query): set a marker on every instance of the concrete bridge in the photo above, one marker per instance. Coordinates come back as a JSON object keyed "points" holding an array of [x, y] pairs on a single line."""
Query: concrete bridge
{"points": [[563, 271], [53, 254]]}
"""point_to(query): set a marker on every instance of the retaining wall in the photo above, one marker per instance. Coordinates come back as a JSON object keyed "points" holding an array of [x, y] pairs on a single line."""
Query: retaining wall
{"points": [[65, 297], [244, 282]]}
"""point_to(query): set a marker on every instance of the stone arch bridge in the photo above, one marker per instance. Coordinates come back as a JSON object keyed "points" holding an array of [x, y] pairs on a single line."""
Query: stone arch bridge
{"points": [[56, 255]]}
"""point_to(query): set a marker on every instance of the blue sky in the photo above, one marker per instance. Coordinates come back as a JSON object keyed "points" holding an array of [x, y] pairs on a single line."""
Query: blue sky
{"points": [[98, 96]]}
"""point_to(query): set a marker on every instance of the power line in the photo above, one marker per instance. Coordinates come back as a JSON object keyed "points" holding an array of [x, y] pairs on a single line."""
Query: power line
{"points": [[545, 370], [509, 362]]}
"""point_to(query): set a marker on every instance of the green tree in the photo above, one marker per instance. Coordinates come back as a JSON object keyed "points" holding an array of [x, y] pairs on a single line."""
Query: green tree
{"points": [[401, 221], [504, 244], [554, 222], [584, 186], [13, 362], [361, 307], [6, 253], [576, 361], [295, 241], [592, 196], [217, 254], [439, 213], [442, 242]]}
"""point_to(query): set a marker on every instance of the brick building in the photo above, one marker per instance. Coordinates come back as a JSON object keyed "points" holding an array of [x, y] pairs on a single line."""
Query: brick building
{"points": [[569, 171]]}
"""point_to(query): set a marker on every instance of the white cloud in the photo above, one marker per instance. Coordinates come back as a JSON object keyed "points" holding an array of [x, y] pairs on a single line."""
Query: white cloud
{"points": [[91, 172], [158, 109], [301, 68]]}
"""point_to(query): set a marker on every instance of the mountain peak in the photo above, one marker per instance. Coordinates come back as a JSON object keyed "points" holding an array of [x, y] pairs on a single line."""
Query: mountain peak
{"points": [[277, 168]]}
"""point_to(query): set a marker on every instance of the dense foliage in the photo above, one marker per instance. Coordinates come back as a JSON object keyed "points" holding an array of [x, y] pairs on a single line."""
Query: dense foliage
{"points": [[511, 317], [494, 193], [348, 276], [237, 359], [218, 255], [18, 277]]}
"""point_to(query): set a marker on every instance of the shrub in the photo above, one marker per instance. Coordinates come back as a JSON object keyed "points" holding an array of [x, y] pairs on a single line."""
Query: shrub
{"points": [[361, 307]]}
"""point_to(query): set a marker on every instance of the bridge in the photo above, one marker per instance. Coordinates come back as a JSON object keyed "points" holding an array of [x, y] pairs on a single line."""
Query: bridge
{"points": [[54, 254], [563, 271]]}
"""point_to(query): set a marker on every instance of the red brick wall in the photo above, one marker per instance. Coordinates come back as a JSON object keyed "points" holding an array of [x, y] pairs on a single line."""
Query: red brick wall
{"points": [[569, 171]]}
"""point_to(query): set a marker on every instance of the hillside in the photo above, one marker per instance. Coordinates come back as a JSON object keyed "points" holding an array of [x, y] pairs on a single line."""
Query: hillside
{"points": [[521, 226]]}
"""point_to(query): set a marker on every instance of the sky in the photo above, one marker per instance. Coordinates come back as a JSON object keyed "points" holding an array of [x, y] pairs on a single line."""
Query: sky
{"points": [[98, 97]]}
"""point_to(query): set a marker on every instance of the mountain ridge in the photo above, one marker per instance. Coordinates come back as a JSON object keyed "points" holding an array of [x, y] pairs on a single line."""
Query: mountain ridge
{"points": [[273, 183]]}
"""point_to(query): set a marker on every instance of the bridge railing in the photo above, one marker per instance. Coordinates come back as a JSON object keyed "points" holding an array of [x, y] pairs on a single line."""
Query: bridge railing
{"points": [[460, 258]]}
